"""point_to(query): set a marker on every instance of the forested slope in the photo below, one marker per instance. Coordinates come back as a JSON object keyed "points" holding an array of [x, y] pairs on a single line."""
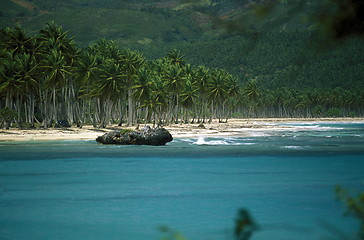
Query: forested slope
{"points": [[273, 45], [222, 67]]}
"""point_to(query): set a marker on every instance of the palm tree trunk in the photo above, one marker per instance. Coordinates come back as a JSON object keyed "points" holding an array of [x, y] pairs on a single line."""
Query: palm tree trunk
{"points": [[177, 110], [31, 110], [146, 116], [130, 108], [8, 101], [211, 111], [54, 115]]}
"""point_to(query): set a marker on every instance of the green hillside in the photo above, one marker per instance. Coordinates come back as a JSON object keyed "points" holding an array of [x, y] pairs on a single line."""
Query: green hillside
{"points": [[272, 43], [128, 24]]}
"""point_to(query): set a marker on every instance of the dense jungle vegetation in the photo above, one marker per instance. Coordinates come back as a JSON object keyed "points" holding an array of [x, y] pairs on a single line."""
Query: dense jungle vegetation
{"points": [[137, 75]]}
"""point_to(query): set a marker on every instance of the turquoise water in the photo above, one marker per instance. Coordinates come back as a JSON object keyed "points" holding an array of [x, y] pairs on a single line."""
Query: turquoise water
{"points": [[83, 190]]}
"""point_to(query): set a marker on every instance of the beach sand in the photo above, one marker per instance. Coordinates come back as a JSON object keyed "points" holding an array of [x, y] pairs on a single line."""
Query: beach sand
{"points": [[234, 127]]}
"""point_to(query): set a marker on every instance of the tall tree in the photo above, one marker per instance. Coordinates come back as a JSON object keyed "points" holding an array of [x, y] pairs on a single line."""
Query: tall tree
{"points": [[27, 74], [110, 89], [16, 40], [86, 74], [55, 71], [217, 89], [174, 79], [143, 91], [252, 93], [131, 62], [189, 96], [202, 78]]}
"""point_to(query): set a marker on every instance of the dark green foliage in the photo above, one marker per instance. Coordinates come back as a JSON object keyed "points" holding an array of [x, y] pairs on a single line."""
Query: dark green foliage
{"points": [[333, 112], [7, 116], [50, 77], [280, 42], [354, 206], [170, 234], [245, 225], [125, 131], [343, 18]]}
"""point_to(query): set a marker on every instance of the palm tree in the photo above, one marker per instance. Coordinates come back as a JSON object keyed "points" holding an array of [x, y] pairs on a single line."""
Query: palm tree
{"points": [[16, 40], [217, 92], [202, 77], [53, 37], [86, 72], [159, 99], [233, 92], [27, 73], [104, 49], [9, 85], [251, 91], [70, 91], [189, 96], [110, 89], [18, 83], [131, 62], [176, 57], [60, 55], [55, 71], [174, 79], [143, 89]]}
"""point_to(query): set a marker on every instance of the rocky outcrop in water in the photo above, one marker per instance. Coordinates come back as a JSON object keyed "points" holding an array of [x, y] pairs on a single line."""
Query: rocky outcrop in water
{"points": [[146, 136]]}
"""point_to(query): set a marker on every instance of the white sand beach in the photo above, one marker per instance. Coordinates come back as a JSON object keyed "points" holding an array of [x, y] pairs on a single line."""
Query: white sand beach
{"points": [[234, 127]]}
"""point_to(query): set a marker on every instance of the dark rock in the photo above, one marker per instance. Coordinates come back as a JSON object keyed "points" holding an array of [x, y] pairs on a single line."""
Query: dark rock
{"points": [[147, 136]]}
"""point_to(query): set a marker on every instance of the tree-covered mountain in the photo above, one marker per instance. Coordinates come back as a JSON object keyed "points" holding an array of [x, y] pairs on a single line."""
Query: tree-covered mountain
{"points": [[281, 62], [148, 23]]}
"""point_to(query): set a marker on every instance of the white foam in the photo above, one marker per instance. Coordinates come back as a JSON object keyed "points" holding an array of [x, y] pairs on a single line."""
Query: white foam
{"points": [[292, 147], [186, 140], [228, 141], [309, 126], [200, 141]]}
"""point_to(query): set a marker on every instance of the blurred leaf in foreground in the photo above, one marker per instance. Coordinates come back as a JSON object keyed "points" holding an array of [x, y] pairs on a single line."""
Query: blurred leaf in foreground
{"points": [[354, 206], [244, 225]]}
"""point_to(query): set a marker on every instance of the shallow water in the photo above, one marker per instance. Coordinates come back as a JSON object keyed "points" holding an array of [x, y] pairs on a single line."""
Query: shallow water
{"points": [[83, 190]]}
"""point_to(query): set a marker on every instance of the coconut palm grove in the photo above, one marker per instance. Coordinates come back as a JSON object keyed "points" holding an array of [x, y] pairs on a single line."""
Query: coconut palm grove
{"points": [[48, 78]]}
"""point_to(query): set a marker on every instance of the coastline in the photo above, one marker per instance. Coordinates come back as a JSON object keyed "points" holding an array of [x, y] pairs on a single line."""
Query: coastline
{"points": [[234, 127]]}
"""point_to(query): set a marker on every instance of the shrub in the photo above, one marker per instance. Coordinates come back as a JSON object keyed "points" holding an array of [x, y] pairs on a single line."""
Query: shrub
{"points": [[7, 115], [125, 131], [333, 112]]}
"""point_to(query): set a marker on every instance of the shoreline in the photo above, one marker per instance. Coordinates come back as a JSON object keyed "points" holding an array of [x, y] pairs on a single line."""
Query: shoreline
{"points": [[234, 127]]}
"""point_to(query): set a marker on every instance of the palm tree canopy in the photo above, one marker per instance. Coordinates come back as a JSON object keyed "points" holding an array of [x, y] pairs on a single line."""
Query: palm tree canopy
{"points": [[189, 94], [112, 81], [17, 40], [176, 57], [144, 85], [174, 79], [251, 89]]}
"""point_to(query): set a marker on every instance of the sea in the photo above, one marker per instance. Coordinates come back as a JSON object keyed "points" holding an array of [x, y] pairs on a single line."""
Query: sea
{"points": [[192, 188]]}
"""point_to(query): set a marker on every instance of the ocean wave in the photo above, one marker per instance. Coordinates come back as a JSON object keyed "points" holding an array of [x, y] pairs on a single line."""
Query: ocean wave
{"points": [[293, 147], [216, 142], [314, 125], [189, 140]]}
